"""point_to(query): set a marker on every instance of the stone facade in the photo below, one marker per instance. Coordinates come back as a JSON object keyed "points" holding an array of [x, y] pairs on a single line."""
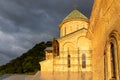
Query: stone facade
{"points": [[104, 31], [72, 51], [89, 45]]}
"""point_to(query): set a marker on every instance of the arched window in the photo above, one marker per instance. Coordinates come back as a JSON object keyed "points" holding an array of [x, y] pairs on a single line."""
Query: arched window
{"points": [[68, 61], [65, 30], [55, 48], [83, 61], [113, 61]]}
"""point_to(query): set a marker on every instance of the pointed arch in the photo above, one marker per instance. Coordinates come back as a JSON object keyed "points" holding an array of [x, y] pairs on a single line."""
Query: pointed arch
{"points": [[111, 57]]}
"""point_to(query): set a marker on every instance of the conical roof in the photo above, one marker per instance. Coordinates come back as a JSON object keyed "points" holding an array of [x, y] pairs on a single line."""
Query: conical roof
{"points": [[75, 14]]}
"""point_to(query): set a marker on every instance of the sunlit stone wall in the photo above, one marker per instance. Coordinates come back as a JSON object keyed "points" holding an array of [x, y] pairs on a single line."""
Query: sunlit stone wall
{"points": [[104, 20], [72, 26]]}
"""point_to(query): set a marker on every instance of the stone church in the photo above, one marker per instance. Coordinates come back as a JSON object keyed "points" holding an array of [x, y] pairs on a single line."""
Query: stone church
{"points": [[90, 48]]}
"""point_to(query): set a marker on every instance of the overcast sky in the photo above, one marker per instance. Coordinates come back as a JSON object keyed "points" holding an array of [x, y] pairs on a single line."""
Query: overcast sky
{"points": [[23, 23]]}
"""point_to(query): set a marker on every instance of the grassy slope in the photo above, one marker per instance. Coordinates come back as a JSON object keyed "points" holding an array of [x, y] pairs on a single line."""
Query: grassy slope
{"points": [[28, 63]]}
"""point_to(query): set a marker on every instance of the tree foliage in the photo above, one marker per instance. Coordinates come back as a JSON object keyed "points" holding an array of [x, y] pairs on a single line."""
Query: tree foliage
{"points": [[28, 62]]}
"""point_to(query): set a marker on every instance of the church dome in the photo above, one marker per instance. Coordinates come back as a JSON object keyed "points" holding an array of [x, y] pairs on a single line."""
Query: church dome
{"points": [[75, 14], [73, 22]]}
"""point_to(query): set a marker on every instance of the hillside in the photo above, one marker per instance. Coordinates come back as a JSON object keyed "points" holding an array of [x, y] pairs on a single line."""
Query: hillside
{"points": [[28, 63]]}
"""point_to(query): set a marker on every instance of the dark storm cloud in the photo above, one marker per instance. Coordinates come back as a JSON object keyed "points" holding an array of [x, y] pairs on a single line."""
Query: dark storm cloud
{"points": [[23, 23]]}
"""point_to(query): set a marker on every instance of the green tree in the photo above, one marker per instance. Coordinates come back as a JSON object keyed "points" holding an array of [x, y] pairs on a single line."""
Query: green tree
{"points": [[28, 62]]}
